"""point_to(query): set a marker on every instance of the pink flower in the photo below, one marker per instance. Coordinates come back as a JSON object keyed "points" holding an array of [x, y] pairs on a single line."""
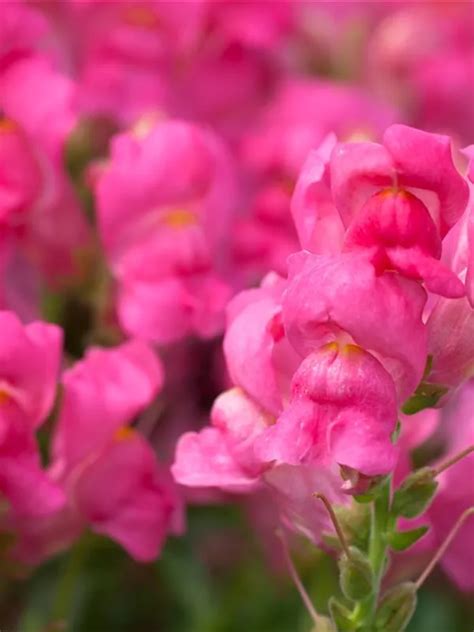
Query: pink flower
{"points": [[22, 31], [103, 393], [455, 491], [108, 470], [222, 455], [29, 357], [40, 215], [258, 356], [30, 364], [469, 152], [165, 207], [342, 297], [342, 409], [317, 221], [297, 119], [42, 100], [451, 342], [129, 53], [420, 57], [398, 200], [21, 176]]}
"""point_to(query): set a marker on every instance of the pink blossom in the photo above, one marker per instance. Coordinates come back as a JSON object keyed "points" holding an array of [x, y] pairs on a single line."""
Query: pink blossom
{"points": [[317, 221], [451, 342], [22, 31], [257, 353], [21, 175], [469, 152], [222, 455], [455, 491], [108, 470], [342, 297], [297, 119], [30, 357], [164, 225], [420, 57], [127, 53], [399, 200], [45, 222], [342, 409]]}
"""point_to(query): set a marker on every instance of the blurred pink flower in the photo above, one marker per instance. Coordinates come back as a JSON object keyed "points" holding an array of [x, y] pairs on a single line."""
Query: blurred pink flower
{"points": [[30, 359], [165, 207]]}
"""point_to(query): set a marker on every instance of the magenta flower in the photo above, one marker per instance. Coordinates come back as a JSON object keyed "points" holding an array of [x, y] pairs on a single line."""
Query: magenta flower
{"points": [[398, 200], [165, 225], [107, 469], [455, 491], [30, 358], [331, 298]]}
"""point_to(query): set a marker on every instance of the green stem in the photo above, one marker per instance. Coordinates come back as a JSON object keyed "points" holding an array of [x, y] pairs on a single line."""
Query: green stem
{"points": [[67, 585], [377, 543], [364, 611]]}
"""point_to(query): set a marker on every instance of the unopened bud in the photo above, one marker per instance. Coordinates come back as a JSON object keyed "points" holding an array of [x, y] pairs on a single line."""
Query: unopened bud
{"points": [[324, 625], [415, 493], [341, 616], [396, 608], [357, 577]]}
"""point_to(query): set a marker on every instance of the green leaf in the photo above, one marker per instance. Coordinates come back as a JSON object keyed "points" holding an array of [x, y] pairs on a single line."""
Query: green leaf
{"points": [[426, 396], [414, 494], [402, 540]]}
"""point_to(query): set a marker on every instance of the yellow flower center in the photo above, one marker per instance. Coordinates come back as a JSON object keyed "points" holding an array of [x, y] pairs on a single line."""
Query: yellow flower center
{"points": [[143, 17], [125, 433], [5, 397], [180, 218], [7, 125]]}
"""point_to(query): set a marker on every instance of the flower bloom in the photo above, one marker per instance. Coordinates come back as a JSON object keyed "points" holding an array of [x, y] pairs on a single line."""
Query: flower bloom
{"points": [[30, 358], [455, 493], [164, 208], [107, 469]]}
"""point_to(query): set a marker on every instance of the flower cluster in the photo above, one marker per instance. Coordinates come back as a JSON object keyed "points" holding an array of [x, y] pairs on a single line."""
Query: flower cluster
{"points": [[177, 174]]}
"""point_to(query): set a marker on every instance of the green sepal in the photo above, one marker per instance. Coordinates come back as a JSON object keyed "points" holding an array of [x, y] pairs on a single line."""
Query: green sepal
{"points": [[376, 485], [426, 396], [356, 575], [341, 616], [355, 524], [402, 540], [396, 608], [396, 432], [415, 493]]}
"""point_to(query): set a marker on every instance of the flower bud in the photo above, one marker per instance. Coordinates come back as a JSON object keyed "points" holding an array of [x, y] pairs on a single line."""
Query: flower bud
{"points": [[324, 625], [340, 616], [415, 493], [357, 577], [396, 608]]}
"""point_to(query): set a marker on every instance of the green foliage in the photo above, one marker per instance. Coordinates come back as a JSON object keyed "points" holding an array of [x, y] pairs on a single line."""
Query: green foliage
{"points": [[426, 396], [415, 493], [396, 608], [402, 540], [215, 579]]}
